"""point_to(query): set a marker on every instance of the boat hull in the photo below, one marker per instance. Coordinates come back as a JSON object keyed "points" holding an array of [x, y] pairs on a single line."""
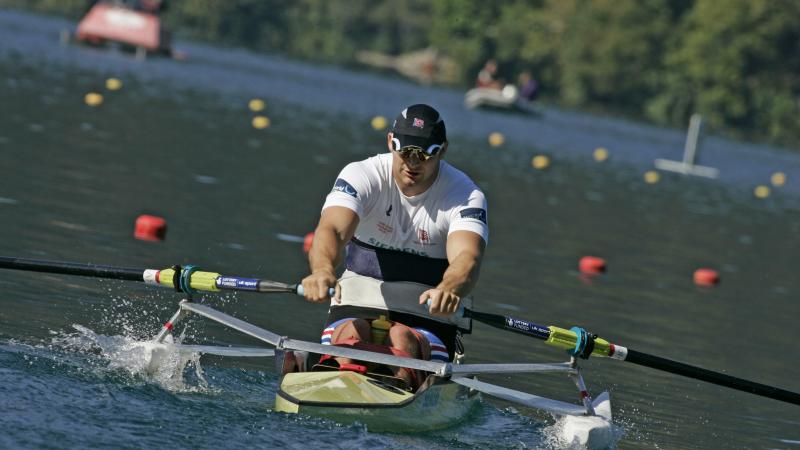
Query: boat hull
{"points": [[348, 397], [505, 99]]}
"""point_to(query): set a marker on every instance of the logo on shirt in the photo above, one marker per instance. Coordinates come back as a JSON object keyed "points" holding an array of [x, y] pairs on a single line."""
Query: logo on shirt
{"points": [[423, 235], [344, 186], [385, 228], [389, 211], [419, 123], [474, 213]]}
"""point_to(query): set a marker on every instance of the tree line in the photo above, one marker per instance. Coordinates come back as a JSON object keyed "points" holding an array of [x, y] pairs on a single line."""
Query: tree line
{"points": [[736, 62]]}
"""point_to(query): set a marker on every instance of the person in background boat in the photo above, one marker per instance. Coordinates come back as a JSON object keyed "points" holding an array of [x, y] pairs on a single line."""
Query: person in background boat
{"points": [[487, 77], [405, 215], [528, 86]]}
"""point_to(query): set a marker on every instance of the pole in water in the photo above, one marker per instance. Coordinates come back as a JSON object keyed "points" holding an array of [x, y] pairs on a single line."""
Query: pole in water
{"points": [[687, 166], [690, 148]]}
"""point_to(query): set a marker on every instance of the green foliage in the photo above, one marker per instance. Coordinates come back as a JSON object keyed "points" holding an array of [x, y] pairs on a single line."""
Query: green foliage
{"points": [[736, 62], [70, 8], [467, 31]]}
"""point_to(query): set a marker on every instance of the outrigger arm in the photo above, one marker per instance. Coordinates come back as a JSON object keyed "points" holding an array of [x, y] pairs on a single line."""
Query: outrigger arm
{"points": [[456, 372]]}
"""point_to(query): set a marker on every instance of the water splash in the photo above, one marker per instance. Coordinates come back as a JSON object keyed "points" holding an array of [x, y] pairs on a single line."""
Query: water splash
{"points": [[163, 364]]}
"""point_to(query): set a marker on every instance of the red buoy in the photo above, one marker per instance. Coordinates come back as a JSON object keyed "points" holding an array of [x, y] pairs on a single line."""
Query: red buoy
{"points": [[150, 228], [592, 265], [706, 277], [307, 241]]}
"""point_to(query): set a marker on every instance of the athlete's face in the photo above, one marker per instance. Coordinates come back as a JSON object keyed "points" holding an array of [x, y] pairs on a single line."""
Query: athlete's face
{"points": [[412, 175]]}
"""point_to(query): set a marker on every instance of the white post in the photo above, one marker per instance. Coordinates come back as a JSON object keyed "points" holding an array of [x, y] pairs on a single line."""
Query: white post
{"points": [[690, 148], [687, 166]]}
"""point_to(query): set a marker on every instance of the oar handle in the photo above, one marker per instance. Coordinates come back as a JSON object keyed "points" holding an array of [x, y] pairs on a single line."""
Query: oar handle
{"points": [[460, 312], [300, 291], [211, 281]]}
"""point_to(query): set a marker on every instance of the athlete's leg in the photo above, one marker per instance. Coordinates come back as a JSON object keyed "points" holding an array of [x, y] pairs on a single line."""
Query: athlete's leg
{"points": [[358, 329], [413, 343]]}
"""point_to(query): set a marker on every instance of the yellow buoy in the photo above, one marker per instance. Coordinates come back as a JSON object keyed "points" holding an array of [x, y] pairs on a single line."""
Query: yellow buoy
{"points": [[496, 139], [761, 191], [256, 105], [600, 154], [378, 123], [540, 162], [260, 122], [778, 179], [651, 177], [113, 84], [93, 99]]}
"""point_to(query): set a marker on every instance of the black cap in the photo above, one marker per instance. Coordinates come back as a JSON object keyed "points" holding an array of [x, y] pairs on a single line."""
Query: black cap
{"points": [[420, 126]]}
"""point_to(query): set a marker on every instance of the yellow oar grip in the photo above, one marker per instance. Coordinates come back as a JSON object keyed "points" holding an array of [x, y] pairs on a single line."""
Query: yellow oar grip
{"points": [[202, 281], [566, 339], [165, 277]]}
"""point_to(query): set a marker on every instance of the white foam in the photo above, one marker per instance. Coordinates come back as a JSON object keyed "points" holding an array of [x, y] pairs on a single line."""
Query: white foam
{"points": [[587, 432], [163, 364]]}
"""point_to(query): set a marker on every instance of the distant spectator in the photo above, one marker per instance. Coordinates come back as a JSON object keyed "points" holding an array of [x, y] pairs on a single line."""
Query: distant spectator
{"points": [[487, 77], [528, 86]]}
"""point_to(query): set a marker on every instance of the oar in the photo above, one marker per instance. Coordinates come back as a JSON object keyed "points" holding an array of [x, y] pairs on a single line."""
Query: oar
{"points": [[186, 279], [573, 340], [189, 279]]}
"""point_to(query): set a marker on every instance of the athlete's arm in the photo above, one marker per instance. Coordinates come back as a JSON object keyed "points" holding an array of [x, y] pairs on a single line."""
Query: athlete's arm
{"points": [[464, 253], [334, 231]]}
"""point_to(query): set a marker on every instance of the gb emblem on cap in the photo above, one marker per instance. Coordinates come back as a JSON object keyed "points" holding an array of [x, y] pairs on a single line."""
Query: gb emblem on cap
{"points": [[419, 123]]}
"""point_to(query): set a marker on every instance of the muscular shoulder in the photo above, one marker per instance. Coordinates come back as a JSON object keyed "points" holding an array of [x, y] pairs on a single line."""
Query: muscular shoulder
{"points": [[458, 187], [465, 203], [373, 170], [359, 184]]}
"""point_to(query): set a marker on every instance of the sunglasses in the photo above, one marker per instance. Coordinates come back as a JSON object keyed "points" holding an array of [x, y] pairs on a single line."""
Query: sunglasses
{"points": [[412, 150]]}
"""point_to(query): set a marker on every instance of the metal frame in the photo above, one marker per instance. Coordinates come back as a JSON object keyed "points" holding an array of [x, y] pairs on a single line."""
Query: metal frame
{"points": [[458, 373]]}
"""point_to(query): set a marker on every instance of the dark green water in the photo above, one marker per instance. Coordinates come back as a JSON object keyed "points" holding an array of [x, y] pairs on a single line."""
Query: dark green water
{"points": [[176, 141]]}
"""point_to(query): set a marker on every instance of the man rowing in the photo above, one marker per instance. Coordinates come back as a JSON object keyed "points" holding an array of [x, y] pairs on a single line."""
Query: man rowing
{"points": [[415, 229]]}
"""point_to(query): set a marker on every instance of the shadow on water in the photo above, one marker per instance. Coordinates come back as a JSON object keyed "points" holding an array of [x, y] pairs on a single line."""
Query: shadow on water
{"points": [[177, 141]]}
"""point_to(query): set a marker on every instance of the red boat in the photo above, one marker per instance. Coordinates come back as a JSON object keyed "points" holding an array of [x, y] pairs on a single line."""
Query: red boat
{"points": [[135, 24]]}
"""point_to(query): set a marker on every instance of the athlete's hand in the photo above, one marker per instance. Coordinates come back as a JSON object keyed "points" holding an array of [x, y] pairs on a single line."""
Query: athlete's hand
{"points": [[317, 285], [443, 303]]}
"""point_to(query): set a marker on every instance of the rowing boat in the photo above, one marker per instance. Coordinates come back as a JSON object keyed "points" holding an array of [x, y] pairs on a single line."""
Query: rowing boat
{"points": [[346, 396], [499, 99], [445, 399], [450, 390]]}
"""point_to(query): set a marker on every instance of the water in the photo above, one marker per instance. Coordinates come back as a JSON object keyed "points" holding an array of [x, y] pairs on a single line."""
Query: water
{"points": [[176, 141]]}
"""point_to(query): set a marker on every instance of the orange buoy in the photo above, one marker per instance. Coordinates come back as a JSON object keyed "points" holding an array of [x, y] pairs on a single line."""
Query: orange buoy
{"points": [[592, 265], [150, 228], [706, 277], [307, 241]]}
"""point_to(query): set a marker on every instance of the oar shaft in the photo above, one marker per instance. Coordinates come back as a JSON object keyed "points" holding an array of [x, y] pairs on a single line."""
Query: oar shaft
{"points": [[510, 324], [198, 280], [71, 268], [555, 336], [567, 339], [698, 373]]}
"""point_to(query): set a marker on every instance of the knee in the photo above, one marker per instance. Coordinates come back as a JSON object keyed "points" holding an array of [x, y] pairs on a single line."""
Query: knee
{"points": [[354, 329], [403, 338]]}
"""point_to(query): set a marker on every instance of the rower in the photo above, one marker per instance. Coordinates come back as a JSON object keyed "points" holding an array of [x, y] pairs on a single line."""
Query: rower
{"points": [[415, 228]]}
